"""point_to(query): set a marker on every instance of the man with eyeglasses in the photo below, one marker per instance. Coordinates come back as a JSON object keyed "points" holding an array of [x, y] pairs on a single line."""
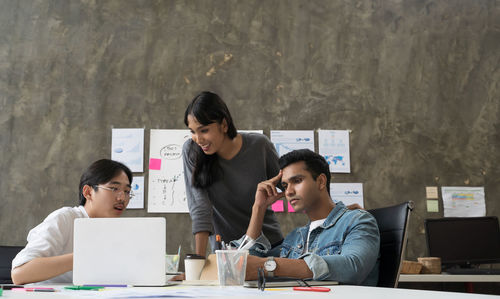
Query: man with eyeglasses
{"points": [[337, 244], [105, 191]]}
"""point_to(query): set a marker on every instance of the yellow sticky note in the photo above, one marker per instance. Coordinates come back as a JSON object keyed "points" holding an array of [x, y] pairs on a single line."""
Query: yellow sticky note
{"points": [[431, 192], [432, 206]]}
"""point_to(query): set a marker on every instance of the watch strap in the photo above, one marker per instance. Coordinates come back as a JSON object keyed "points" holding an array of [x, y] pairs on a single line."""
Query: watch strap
{"points": [[271, 273]]}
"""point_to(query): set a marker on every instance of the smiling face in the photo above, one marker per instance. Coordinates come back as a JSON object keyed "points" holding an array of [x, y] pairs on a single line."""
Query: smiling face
{"points": [[103, 201], [210, 138], [301, 190]]}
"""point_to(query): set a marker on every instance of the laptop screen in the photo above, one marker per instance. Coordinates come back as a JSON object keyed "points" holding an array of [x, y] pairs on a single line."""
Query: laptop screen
{"points": [[127, 251]]}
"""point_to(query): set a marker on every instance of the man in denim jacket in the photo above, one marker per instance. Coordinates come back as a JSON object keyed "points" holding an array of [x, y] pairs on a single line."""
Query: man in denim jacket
{"points": [[338, 244]]}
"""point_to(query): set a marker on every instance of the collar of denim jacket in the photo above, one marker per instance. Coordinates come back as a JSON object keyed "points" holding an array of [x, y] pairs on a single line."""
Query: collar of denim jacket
{"points": [[334, 215]]}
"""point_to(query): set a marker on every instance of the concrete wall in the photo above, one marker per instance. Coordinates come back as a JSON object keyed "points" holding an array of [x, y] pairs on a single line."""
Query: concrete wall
{"points": [[416, 81]]}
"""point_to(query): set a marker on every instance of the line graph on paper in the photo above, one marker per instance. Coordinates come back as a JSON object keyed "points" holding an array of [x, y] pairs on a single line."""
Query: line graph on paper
{"points": [[286, 141]]}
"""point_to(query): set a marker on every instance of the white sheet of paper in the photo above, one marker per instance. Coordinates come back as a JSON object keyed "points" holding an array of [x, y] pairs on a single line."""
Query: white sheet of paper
{"points": [[166, 189], [286, 141], [182, 291], [348, 193], [251, 131], [334, 147], [463, 201], [137, 202], [127, 147]]}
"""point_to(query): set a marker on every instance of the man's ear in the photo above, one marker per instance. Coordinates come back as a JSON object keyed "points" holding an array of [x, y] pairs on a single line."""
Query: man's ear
{"points": [[321, 180], [87, 192]]}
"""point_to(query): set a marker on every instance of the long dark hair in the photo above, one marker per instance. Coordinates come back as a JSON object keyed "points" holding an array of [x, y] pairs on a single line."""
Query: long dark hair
{"points": [[207, 108], [100, 172]]}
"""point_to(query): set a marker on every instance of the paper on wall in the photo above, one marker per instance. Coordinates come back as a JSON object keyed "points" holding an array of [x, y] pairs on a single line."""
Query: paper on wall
{"points": [[251, 131], [463, 201], [334, 147], [348, 193], [166, 188], [286, 141], [432, 206], [127, 147], [137, 202]]}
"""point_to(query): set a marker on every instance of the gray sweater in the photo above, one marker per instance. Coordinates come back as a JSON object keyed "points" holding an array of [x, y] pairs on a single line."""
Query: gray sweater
{"points": [[225, 207]]}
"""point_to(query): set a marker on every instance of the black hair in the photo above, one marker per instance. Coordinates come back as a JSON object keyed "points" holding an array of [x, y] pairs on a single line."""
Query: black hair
{"points": [[207, 107], [100, 172], [315, 163]]}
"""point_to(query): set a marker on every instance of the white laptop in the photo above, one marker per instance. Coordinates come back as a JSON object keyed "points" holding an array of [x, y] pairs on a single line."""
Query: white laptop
{"points": [[119, 251]]}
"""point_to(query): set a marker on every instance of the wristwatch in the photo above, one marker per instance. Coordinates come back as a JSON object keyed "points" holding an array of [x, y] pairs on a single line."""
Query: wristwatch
{"points": [[270, 266]]}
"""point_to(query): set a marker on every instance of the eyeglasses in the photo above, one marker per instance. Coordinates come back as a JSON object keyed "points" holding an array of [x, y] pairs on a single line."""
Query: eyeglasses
{"points": [[261, 280], [117, 192]]}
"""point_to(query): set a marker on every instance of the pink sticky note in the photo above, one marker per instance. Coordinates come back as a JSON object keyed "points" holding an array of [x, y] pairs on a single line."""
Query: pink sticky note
{"points": [[154, 164], [278, 206], [290, 208]]}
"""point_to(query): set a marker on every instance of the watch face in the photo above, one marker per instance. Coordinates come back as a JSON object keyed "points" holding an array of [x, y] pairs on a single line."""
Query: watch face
{"points": [[270, 265]]}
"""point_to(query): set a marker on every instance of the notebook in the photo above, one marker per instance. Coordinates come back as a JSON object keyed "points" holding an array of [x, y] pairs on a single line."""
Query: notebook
{"points": [[119, 251]]}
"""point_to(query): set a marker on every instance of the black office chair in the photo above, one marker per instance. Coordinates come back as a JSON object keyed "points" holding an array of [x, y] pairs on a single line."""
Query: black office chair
{"points": [[393, 225], [7, 254]]}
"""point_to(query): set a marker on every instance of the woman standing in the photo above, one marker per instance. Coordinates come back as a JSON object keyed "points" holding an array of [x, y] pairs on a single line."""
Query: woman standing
{"points": [[222, 169]]}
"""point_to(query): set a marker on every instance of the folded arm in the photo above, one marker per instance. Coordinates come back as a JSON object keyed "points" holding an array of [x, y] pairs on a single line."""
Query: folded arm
{"points": [[285, 267], [42, 268]]}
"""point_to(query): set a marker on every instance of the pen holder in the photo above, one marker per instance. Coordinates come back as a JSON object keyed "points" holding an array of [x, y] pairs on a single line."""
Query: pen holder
{"points": [[172, 263], [231, 266]]}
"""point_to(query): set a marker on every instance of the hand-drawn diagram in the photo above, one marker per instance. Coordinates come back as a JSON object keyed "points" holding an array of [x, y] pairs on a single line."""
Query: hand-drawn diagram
{"points": [[287, 141], [334, 147], [167, 191]]}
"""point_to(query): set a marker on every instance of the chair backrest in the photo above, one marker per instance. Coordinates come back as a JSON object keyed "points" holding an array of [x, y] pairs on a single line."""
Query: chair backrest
{"points": [[7, 254], [393, 225]]}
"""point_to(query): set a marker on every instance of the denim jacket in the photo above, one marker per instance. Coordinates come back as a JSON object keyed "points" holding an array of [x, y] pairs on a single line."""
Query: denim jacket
{"points": [[345, 248]]}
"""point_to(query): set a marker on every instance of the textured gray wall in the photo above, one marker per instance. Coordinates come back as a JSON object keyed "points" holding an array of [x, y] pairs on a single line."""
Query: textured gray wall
{"points": [[416, 81]]}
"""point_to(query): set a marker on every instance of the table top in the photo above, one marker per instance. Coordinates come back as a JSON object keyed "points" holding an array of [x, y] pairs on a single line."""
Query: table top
{"points": [[339, 291], [444, 277]]}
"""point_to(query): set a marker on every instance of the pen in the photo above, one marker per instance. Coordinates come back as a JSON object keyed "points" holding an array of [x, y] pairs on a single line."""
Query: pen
{"points": [[312, 289], [83, 288], [11, 286], [218, 239], [33, 289], [107, 285]]}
